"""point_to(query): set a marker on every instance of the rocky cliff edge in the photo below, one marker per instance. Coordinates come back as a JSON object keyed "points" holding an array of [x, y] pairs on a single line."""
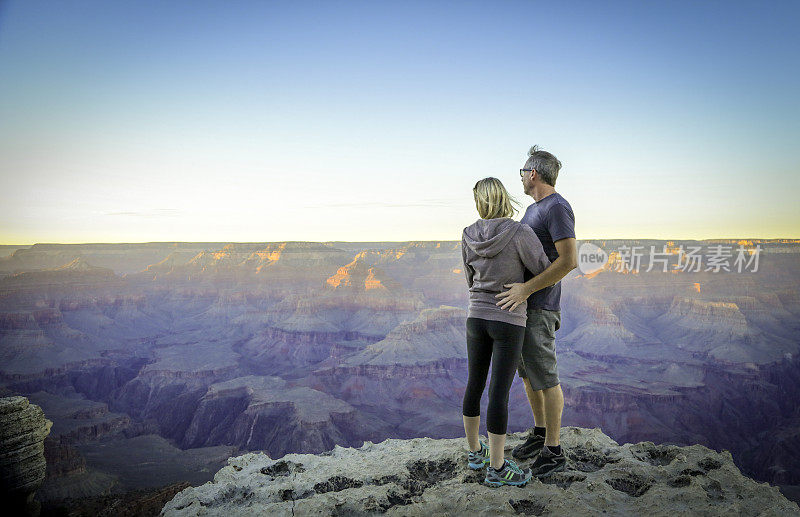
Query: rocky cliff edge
{"points": [[425, 476]]}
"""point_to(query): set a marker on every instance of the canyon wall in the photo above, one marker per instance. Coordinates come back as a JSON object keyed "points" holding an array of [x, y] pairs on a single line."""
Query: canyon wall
{"points": [[295, 347]]}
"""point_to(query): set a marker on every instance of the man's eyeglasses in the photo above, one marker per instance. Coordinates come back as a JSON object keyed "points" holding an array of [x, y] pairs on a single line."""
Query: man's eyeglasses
{"points": [[523, 171]]}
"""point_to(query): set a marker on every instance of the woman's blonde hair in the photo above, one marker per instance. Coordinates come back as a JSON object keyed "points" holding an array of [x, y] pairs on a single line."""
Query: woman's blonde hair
{"points": [[493, 200]]}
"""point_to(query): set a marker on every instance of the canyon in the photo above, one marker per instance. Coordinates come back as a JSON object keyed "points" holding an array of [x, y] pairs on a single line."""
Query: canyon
{"points": [[156, 362]]}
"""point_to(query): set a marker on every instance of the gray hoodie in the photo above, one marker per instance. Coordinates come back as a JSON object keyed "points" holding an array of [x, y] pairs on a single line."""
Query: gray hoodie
{"points": [[497, 252]]}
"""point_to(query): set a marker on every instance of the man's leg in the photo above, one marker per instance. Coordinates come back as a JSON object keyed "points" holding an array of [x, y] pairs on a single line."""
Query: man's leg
{"points": [[536, 400], [553, 407], [535, 440], [547, 406], [551, 458], [541, 368]]}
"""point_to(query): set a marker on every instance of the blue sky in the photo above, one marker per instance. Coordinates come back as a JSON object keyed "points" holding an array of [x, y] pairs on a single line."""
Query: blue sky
{"points": [[269, 121]]}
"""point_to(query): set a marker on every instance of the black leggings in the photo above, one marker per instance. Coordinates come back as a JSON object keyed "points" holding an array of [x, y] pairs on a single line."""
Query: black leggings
{"points": [[500, 343]]}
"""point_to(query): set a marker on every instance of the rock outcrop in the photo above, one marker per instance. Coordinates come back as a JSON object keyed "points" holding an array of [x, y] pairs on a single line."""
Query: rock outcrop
{"points": [[359, 276], [412, 380], [265, 413], [23, 429], [77, 273], [424, 476]]}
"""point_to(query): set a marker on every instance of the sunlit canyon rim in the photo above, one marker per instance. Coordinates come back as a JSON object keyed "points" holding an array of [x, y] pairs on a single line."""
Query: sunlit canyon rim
{"points": [[175, 356]]}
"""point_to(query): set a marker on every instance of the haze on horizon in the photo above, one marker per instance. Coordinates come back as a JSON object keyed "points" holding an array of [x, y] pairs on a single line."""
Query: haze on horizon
{"points": [[252, 122]]}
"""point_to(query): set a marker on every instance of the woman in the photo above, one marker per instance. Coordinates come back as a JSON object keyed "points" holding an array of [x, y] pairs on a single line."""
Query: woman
{"points": [[496, 250]]}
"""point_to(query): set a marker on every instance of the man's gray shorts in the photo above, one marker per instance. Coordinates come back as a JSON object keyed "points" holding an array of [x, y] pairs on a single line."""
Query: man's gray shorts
{"points": [[537, 361]]}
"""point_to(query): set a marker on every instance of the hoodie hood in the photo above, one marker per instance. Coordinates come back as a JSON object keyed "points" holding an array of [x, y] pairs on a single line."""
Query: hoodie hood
{"points": [[488, 237]]}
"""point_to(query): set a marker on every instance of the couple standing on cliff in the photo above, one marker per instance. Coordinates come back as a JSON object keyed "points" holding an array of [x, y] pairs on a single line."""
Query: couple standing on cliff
{"points": [[520, 264]]}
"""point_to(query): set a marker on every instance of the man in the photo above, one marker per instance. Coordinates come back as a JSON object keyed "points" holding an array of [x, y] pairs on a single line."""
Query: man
{"points": [[552, 219]]}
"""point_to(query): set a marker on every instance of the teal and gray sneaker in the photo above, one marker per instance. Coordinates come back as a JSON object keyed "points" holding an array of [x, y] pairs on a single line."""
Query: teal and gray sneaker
{"points": [[510, 474], [477, 459]]}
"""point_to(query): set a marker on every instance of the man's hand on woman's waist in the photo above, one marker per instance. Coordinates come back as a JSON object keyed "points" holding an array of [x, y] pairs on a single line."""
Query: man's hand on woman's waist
{"points": [[566, 261]]}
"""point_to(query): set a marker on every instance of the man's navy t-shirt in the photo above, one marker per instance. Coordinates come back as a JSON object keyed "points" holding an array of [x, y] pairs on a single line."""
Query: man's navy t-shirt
{"points": [[551, 219]]}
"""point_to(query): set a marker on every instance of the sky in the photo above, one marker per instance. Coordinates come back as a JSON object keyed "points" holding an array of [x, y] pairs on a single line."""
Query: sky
{"points": [[371, 121]]}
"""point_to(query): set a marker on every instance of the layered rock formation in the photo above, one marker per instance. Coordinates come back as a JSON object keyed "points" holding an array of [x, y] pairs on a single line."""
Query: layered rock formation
{"points": [[263, 413], [283, 263], [23, 428], [413, 379], [77, 272], [168, 390], [597, 328], [434, 335], [78, 420], [427, 477], [359, 276], [308, 330], [121, 257]]}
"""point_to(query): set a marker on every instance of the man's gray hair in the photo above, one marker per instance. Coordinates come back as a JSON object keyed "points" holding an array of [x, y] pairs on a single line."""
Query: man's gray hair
{"points": [[546, 165]]}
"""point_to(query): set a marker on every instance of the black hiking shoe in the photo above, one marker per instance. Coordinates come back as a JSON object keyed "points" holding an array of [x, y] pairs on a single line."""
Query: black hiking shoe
{"points": [[530, 448], [547, 463]]}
